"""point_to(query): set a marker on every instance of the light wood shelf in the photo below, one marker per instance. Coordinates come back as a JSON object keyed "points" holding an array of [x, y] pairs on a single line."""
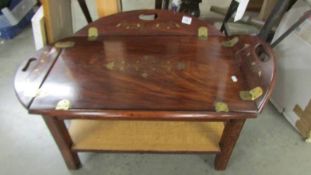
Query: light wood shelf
{"points": [[146, 136]]}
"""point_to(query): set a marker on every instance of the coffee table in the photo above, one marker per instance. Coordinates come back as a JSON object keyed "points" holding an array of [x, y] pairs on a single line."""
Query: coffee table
{"points": [[143, 81]]}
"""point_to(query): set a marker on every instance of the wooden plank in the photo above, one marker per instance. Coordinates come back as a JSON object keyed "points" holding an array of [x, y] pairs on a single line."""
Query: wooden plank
{"points": [[108, 7], [146, 136], [58, 19]]}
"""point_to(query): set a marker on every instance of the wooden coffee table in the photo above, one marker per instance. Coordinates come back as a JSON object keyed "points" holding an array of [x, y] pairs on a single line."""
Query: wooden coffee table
{"points": [[147, 86]]}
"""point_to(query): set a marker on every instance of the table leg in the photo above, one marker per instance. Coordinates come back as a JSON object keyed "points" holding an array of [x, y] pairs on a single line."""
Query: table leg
{"points": [[229, 138], [62, 138]]}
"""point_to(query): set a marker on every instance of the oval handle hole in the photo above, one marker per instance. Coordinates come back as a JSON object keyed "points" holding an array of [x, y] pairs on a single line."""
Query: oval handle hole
{"points": [[148, 17], [262, 54], [28, 64]]}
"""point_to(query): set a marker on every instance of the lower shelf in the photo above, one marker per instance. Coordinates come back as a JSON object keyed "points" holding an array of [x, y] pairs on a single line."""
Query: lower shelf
{"points": [[145, 136]]}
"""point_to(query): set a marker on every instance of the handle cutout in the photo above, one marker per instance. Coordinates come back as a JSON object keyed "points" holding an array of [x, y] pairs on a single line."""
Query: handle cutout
{"points": [[28, 64], [148, 17], [262, 53]]}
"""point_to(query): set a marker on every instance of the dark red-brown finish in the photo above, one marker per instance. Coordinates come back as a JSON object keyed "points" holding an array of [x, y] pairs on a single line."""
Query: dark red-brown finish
{"points": [[62, 138], [229, 138], [185, 74], [145, 72], [170, 23], [32, 73]]}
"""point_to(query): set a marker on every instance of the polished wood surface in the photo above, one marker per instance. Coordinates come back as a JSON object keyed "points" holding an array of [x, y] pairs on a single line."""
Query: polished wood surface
{"points": [[145, 136], [185, 74], [165, 23], [31, 74]]}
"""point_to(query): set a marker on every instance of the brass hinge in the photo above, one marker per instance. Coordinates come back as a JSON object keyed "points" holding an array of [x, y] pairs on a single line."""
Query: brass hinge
{"points": [[251, 95], [64, 44], [92, 33], [203, 33], [63, 105], [231, 43], [221, 107]]}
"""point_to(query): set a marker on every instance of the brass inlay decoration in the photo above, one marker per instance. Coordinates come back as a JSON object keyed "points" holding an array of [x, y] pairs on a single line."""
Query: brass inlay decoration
{"points": [[110, 66], [92, 33], [63, 105], [231, 43], [203, 33], [251, 95], [221, 107], [129, 26], [181, 66], [64, 44], [167, 25], [145, 75]]}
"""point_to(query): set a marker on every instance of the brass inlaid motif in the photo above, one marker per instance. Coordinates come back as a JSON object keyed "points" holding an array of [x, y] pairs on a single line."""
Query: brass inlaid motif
{"points": [[145, 75], [167, 25], [181, 66], [138, 66], [110, 66]]}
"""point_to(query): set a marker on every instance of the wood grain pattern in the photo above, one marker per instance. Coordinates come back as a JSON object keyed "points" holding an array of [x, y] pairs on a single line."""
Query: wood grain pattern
{"points": [[259, 68], [144, 136], [31, 74], [168, 21], [187, 74]]}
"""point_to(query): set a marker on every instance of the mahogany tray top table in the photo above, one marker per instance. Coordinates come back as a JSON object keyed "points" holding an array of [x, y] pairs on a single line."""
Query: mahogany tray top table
{"points": [[143, 81]]}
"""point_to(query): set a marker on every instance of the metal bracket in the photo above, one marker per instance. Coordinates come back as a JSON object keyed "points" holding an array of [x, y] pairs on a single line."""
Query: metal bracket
{"points": [[251, 95], [64, 44], [63, 105], [221, 107]]}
